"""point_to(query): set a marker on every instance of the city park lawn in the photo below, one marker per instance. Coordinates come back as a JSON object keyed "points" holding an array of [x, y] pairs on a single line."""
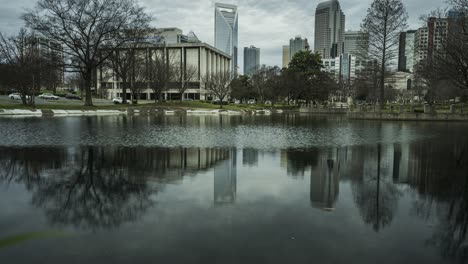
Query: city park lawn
{"points": [[167, 105]]}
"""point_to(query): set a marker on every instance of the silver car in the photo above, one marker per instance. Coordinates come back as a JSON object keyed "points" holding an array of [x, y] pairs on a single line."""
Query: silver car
{"points": [[48, 96], [17, 96]]}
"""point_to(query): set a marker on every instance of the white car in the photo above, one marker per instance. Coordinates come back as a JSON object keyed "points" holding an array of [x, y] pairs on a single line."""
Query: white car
{"points": [[17, 96], [119, 100], [48, 96]]}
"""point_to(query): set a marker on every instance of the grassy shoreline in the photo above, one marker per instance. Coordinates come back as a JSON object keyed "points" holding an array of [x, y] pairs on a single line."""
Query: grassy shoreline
{"points": [[166, 105]]}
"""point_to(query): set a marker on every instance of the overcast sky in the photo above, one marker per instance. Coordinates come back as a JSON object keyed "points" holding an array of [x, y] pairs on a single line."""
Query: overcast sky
{"points": [[266, 24]]}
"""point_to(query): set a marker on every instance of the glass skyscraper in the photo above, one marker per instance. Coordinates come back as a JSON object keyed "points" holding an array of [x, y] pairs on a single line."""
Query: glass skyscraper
{"points": [[251, 60], [329, 29], [226, 31]]}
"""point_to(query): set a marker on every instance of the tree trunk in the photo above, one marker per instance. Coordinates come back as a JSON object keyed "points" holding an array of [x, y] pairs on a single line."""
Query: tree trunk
{"points": [[88, 79], [124, 90]]}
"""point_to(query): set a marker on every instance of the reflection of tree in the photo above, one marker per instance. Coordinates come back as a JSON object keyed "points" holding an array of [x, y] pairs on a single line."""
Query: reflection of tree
{"points": [[376, 197], [442, 184], [93, 196], [99, 187], [451, 235], [297, 161], [26, 165]]}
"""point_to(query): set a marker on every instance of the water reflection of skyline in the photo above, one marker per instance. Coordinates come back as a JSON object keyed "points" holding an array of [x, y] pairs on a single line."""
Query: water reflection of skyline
{"points": [[103, 187]]}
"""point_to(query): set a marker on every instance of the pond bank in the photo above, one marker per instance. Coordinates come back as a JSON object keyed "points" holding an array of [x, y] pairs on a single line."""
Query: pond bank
{"points": [[395, 116], [130, 111]]}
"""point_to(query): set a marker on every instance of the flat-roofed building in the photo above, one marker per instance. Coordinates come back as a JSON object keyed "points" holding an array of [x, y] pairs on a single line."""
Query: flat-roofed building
{"points": [[201, 56]]}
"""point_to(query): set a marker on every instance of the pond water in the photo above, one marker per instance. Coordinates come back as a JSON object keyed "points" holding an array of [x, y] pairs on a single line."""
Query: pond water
{"points": [[232, 189]]}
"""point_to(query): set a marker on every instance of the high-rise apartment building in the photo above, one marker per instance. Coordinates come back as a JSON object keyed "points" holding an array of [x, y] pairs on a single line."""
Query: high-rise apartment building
{"points": [[356, 43], [286, 56], [251, 60], [406, 51], [226, 31], [429, 39], [329, 29], [297, 44]]}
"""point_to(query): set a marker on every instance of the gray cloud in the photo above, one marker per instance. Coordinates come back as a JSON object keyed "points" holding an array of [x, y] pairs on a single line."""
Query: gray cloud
{"points": [[267, 24]]}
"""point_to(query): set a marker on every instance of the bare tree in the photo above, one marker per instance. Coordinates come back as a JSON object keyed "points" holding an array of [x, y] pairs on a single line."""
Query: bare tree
{"points": [[90, 30], [218, 84], [21, 64], [184, 76], [138, 78], [384, 21], [161, 71], [261, 81]]}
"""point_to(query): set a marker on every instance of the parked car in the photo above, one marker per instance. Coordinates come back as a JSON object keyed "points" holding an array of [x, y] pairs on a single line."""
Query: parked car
{"points": [[250, 102], [48, 96], [17, 96], [72, 97], [218, 102], [119, 100]]}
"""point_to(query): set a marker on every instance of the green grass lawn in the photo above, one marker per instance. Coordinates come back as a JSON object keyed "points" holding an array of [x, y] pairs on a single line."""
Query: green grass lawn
{"points": [[181, 105]]}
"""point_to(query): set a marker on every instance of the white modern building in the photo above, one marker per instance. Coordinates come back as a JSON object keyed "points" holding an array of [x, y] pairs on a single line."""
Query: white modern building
{"points": [[201, 56], [226, 32], [345, 67], [169, 36], [329, 29], [251, 60]]}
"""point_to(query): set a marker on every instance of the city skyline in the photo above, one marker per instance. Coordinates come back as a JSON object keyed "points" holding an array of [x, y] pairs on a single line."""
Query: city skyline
{"points": [[257, 25]]}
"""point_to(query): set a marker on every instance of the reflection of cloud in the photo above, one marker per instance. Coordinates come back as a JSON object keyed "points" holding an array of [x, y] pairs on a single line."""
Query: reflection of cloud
{"points": [[375, 195]]}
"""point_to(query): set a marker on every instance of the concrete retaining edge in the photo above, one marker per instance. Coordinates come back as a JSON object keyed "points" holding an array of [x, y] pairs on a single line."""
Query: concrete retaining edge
{"points": [[408, 116]]}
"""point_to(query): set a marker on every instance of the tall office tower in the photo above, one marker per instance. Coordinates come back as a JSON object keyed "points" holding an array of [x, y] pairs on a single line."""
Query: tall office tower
{"points": [[251, 60], [226, 31], [329, 29], [297, 44], [429, 39], [286, 56], [406, 51], [356, 43]]}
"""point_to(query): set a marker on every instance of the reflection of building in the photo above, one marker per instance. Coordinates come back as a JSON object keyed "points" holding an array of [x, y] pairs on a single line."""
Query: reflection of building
{"points": [[329, 29], [226, 30], [225, 180], [251, 60], [324, 185], [249, 157]]}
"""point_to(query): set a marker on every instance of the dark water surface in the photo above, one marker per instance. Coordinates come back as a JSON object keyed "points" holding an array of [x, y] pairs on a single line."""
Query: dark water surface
{"points": [[232, 189]]}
